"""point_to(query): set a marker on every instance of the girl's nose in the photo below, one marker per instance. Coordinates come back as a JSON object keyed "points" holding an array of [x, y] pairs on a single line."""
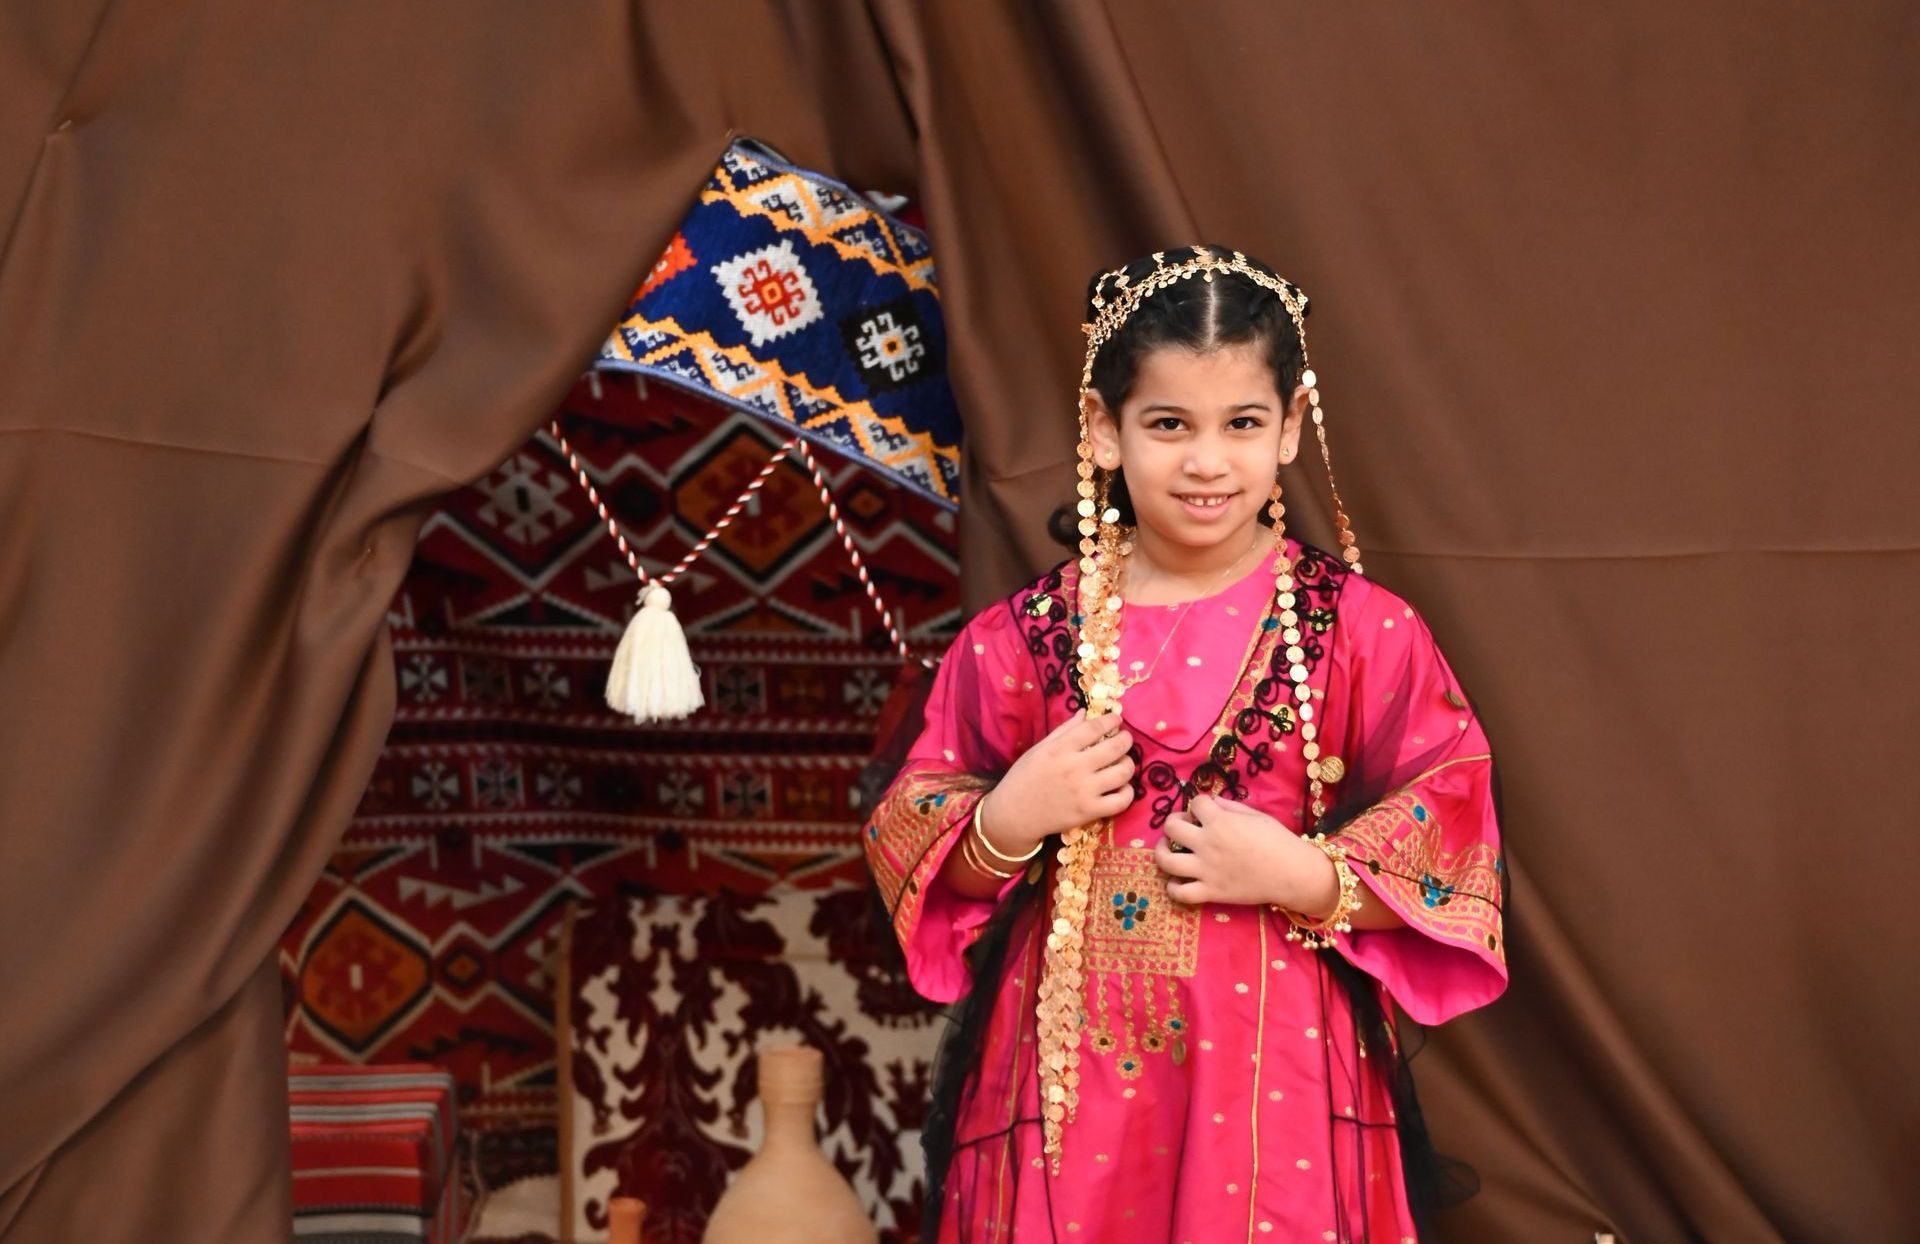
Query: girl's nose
{"points": [[1206, 462]]}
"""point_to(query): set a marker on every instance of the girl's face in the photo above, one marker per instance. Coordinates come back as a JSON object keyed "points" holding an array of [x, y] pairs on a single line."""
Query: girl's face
{"points": [[1200, 436]]}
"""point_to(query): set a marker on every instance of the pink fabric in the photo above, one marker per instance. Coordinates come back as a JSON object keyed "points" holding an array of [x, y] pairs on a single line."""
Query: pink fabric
{"points": [[1258, 1117]]}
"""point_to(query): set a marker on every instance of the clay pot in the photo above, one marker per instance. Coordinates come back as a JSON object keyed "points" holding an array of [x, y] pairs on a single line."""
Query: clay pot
{"points": [[623, 1219], [790, 1193]]}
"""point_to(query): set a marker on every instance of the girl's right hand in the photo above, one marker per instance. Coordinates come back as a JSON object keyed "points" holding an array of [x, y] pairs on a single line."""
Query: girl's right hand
{"points": [[1074, 776]]}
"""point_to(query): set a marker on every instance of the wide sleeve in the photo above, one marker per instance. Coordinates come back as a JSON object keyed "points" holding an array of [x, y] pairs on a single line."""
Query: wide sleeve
{"points": [[982, 712], [1417, 813]]}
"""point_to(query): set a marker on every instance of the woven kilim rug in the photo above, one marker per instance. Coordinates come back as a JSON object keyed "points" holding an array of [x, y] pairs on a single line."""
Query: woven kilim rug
{"points": [[508, 787], [788, 295]]}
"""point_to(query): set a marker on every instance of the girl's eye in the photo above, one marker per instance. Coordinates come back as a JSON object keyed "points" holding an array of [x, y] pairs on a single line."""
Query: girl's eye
{"points": [[1245, 422], [1167, 423]]}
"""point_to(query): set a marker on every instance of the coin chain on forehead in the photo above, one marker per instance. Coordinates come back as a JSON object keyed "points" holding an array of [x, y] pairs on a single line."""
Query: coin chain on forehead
{"points": [[1109, 317]]}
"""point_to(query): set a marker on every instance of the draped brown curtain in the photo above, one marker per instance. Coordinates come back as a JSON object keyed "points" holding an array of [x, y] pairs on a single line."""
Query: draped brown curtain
{"points": [[1614, 314]]}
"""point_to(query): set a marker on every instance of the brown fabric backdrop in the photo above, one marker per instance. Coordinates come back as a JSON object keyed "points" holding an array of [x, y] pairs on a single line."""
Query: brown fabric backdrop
{"points": [[1614, 313]]}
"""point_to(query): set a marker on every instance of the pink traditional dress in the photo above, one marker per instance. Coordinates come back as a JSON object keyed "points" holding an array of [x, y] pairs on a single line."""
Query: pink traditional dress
{"points": [[1230, 1087]]}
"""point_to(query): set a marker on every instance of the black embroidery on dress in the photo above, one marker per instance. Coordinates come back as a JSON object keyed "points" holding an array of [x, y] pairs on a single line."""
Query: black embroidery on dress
{"points": [[1209, 777], [1247, 751], [1045, 611]]}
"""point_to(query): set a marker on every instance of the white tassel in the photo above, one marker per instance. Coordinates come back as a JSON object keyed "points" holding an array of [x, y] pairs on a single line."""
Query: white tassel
{"points": [[653, 676]]}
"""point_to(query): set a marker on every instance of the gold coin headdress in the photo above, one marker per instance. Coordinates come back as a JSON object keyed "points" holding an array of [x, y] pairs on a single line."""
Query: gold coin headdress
{"points": [[1061, 1004]]}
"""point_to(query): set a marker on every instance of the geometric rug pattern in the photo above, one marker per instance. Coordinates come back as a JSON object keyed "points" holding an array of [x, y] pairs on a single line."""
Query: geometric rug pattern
{"points": [[507, 787], [789, 295]]}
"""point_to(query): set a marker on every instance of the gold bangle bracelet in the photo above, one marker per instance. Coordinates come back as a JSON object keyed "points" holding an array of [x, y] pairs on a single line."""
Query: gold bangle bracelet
{"points": [[972, 857], [980, 832], [1318, 934]]}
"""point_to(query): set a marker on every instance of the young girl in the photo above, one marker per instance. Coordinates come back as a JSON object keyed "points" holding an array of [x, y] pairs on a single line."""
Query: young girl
{"points": [[1190, 814]]}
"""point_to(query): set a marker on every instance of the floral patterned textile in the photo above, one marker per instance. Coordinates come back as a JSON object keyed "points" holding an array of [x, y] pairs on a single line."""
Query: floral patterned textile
{"points": [[674, 994]]}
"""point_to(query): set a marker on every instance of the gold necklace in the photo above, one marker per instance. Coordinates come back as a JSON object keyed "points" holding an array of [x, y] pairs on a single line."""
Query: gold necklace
{"points": [[1127, 559], [1060, 1005]]}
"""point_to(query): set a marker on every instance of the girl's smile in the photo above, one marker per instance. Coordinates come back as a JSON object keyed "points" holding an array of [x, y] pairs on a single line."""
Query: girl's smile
{"points": [[1206, 507], [1199, 437]]}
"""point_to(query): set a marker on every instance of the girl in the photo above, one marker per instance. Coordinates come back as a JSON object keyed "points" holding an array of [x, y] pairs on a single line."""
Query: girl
{"points": [[1189, 815]]}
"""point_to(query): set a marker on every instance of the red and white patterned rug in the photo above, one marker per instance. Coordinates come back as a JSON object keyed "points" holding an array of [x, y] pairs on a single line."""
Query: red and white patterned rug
{"points": [[507, 788]]}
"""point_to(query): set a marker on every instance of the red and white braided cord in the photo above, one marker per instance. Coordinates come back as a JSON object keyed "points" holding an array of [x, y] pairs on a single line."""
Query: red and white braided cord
{"points": [[726, 520], [853, 554]]}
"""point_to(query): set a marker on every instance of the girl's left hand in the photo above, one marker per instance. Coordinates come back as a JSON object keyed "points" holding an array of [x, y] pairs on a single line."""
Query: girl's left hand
{"points": [[1236, 854]]}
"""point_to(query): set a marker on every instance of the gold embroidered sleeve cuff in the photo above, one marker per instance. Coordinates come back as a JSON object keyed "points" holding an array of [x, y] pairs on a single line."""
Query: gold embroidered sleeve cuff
{"points": [[1451, 895]]}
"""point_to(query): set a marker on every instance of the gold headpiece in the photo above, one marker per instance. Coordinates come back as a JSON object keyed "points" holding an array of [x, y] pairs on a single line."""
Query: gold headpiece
{"points": [[1115, 299], [1061, 1012]]}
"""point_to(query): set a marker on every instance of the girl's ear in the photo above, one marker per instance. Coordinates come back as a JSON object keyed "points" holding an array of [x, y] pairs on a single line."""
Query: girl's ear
{"points": [[1103, 429], [1290, 426]]}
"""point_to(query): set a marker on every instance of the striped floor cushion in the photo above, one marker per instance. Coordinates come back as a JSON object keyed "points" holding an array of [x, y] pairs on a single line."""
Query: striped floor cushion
{"points": [[374, 1155]]}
